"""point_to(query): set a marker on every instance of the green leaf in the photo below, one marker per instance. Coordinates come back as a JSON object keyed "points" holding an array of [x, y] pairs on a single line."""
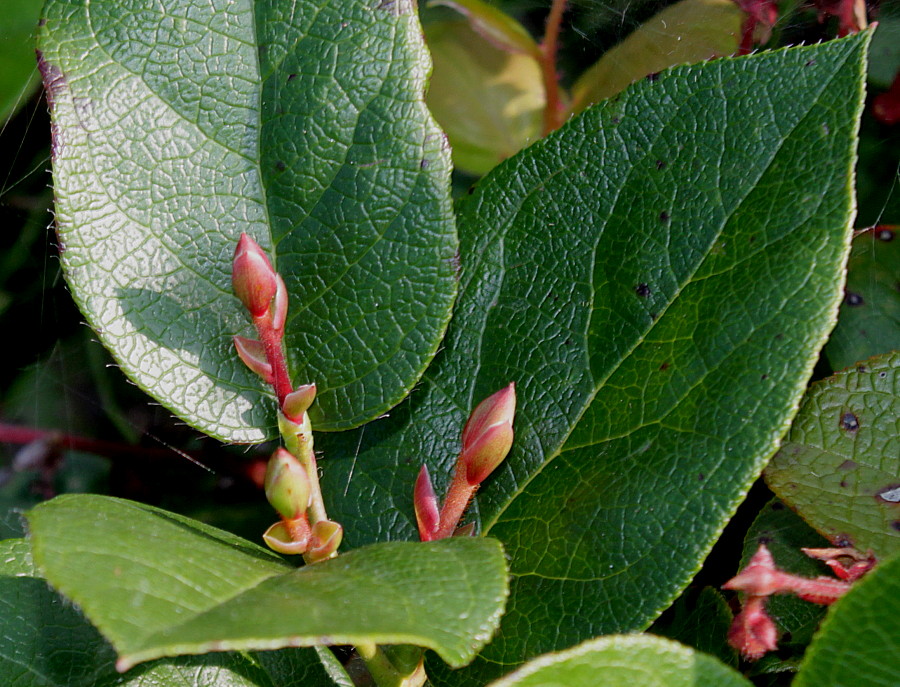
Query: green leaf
{"points": [[884, 55], [784, 533], [657, 277], [686, 32], [699, 618], [45, 642], [489, 101], [869, 320], [18, 73], [625, 661], [840, 465], [158, 584], [859, 644], [495, 26], [301, 123]]}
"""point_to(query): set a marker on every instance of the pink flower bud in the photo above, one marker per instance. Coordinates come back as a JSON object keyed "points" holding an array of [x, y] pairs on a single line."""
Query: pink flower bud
{"points": [[298, 402], [753, 632], [427, 516], [760, 577], [252, 277], [287, 485], [488, 435], [253, 354]]}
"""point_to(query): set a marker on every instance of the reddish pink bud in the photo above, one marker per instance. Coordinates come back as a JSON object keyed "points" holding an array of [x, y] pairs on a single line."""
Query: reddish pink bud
{"points": [[298, 402], [280, 308], [427, 516], [488, 434], [253, 354], [252, 277], [760, 577], [752, 631], [847, 563]]}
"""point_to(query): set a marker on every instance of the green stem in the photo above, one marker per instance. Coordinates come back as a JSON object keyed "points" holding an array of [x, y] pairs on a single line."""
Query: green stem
{"points": [[298, 439], [380, 667]]}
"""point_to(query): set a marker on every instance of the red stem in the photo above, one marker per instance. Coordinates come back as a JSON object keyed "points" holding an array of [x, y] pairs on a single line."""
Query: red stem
{"points": [[271, 342], [458, 497], [553, 109]]}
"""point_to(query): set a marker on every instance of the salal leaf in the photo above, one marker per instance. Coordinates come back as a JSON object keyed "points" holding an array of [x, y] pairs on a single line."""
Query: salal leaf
{"points": [[688, 31], [657, 277], [158, 584], [859, 643], [629, 661], [302, 123], [840, 465], [699, 618], [869, 320], [45, 642]]}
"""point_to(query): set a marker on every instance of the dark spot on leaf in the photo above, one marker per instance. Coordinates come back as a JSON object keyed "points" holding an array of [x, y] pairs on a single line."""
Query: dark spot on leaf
{"points": [[764, 377], [779, 337], [568, 342], [291, 77], [849, 422], [843, 484], [853, 299], [664, 216], [847, 465], [280, 166], [664, 367], [752, 239], [885, 235], [652, 76], [890, 494], [642, 290], [701, 476], [616, 120], [660, 164], [653, 316], [764, 539], [862, 369], [842, 541], [455, 262], [810, 63], [896, 525], [424, 163], [777, 505], [882, 374]]}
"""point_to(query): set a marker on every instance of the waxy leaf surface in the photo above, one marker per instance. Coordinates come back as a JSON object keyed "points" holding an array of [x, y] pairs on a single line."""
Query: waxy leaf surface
{"points": [[158, 584], [46, 642], [302, 123], [859, 643], [626, 661], [657, 277], [840, 465]]}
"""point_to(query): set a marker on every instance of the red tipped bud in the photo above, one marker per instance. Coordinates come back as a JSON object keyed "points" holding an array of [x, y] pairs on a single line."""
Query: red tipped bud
{"points": [[253, 354], [488, 435], [760, 577], [324, 542], [752, 631], [427, 516], [252, 277], [280, 307], [298, 402], [279, 538], [287, 485]]}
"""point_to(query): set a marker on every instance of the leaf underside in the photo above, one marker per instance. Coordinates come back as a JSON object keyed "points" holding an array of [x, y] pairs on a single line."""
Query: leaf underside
{"points": [[301, 123], [658, 277]]}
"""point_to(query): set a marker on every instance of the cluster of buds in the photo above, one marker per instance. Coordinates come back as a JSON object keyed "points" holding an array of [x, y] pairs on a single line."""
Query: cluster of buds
{"points": [[291, 482], [486, 440], [753, 632]]}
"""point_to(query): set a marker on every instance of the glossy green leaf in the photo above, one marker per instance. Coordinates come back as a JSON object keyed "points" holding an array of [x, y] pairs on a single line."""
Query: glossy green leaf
{"points": [[301, 123], [488, 100], [884, 56], [158, 584], [699, 618], [45, 642], [869, 320], [18, 72], [625, 661], [859, 645], [688, 31], [657, 277], [840, 465]]}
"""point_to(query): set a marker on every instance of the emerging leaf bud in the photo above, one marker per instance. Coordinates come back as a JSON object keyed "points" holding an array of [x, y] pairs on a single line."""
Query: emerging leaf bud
{"points": [[252, 277], [280, 307], [253, 354], [427, 516], [752, 631], [324, 542], [488, 435], [287, 485], [278, 538], [298, 402]]}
